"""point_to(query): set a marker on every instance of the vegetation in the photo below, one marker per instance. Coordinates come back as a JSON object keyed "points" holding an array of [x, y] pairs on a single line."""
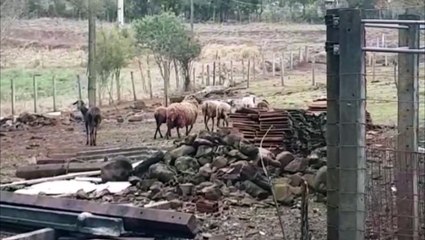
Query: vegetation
{"points": [[205, 10], [166, 36], [114, 49]]}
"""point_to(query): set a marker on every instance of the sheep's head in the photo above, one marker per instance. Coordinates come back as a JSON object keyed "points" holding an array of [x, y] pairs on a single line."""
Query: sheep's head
{"points": [[231, 102], [192, 99], [79, 103]]}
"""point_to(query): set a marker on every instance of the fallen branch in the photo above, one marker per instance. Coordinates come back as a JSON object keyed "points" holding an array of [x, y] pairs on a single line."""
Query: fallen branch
{"points": [[279, 213]]}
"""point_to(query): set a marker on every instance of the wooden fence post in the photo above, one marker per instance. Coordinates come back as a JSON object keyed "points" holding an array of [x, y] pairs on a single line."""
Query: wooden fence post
{"points": [[313, 76], [300, 55], [213, 72], [273, 65], [80, 95], [243, 70], [208, 75], [133, 87], [263, 64], [306, 53], [291, 60], [395, 74], [373, 66], [12, 89], [253, 69], [35, 92], [282, 71], [148, 73], [219, 71], [231, 71], [202, 74], [247, 77], [194, 75], [54, 93]]}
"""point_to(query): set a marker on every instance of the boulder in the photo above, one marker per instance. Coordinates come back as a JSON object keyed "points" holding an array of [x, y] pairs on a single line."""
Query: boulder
{"points": [[232, 140], [319, 181], [283, 193], [268, 158], [143, 167], [296, 180], [206, 170], [204, 160], [236, 154], [183, 150], [204, 151], [309, 178], [135, 118], [200, 141], [248, 149], [219, 162], [187, 164], [285, 158], [297, 165], [119, 169], [254, 190], [212, 193], [161, 172]]}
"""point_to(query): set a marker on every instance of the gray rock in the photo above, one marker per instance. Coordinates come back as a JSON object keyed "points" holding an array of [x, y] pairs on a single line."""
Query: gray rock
{"points": [[204, 151], [119, 169], [134, 180], [296, 180], [254, 190], [204, 160], [319, 181], [297, 165], [186, 164], [236, 154], [219, 162], [206, 170], [285, 158], [200, 141], [212, 192], [248, 149], [183, 150], [161, 172]]}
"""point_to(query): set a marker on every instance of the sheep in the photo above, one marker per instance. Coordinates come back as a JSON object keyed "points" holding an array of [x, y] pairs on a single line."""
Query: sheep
{"points": [[183, 114], [160, 115], [92, 119], [214, 108]]}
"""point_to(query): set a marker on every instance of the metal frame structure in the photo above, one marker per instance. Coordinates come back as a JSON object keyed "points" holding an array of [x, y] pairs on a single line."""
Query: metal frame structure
{"points": [[346, 121]]}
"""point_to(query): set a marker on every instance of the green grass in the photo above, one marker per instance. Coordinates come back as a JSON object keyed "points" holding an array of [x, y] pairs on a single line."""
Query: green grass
{"points": [[23, 78]]}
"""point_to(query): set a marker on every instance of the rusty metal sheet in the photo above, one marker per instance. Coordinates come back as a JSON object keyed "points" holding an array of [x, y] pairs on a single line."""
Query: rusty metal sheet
{"points": [[148, 221]]}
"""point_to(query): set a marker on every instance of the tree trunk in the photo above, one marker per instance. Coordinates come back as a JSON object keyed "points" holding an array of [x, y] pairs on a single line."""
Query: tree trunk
{"points": [[91, 60], [142, 75], [117, 79], [176, 69]]}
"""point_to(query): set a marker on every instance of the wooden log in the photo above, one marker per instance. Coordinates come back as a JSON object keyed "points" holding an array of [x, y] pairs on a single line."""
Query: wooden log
{"points": [[50, 170]]}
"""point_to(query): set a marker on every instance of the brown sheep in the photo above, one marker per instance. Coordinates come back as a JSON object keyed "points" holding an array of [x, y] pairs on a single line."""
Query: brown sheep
{"points": [[183, 114], [160, 115], [214, 108]]}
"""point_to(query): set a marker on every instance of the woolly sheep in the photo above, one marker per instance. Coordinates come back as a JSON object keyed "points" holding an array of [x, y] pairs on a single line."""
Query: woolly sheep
{"points": [[214, 108], [183, 114], [160, 115]]}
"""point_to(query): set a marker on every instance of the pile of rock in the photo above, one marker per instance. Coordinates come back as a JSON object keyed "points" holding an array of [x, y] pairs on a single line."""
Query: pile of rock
{"points": [[25, 120], [212, 165]]}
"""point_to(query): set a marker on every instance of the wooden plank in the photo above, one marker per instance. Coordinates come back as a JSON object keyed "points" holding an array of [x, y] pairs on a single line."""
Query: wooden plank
{"points": [[50, 170], [41, 234]]}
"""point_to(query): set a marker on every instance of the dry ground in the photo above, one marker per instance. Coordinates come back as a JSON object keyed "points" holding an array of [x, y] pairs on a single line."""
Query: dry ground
{"points": [[57, 48]]}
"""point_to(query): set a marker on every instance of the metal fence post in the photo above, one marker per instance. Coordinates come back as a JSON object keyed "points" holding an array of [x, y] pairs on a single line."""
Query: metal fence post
{"points": [[332, 118], [352, 135], [407, 138]]}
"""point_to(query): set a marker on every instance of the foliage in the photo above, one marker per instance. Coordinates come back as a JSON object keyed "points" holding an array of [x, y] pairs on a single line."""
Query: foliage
{"points": [[166, 36], [114, 49]]}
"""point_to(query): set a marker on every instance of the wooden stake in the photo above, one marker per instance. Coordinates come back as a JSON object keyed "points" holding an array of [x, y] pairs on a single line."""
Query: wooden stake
{"points": [[313, 66], [282, 70], [80, 95], [253, 70], [202, 74], [133, 87], [149, 77], [231, 71], [208, 75], [194, 75], [263, 62], [12, 89], [373, 67], [306, 54], [247, 78], [35, 92], [273, 66], [291, 60], [213, 72], [243, 70], [54, 93], [300, 55]]}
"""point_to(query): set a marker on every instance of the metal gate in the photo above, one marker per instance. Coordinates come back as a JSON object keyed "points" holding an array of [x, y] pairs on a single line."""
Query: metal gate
{"points": [[376, 173]]}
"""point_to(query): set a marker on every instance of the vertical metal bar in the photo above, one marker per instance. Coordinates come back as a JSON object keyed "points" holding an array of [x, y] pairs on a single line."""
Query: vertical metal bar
{"points": [[407, 123], [352, 135], [332, 123]]}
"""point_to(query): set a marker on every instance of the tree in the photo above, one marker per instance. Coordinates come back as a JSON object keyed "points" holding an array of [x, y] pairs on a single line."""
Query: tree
{"points": [[166, 36], [114, 49], [10, 11]]}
